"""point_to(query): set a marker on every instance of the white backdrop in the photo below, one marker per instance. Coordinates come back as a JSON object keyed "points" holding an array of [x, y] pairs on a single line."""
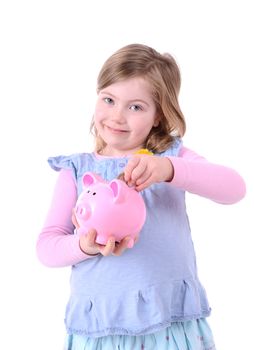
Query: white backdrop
{"points": [[51, 53]]}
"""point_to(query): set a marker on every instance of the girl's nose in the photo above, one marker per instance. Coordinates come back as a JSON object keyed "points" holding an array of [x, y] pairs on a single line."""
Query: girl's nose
{"points": [[118, 115]]}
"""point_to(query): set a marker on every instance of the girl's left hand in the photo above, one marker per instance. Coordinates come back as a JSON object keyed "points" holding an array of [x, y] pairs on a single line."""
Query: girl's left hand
{"points": [[144, 170]]}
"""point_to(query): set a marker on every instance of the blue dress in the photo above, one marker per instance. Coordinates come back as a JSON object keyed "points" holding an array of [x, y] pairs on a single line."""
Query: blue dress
{"points": [[151, 294]]}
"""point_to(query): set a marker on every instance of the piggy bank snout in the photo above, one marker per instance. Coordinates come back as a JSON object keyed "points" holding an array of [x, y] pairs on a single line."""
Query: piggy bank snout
{"points": [[83, 211]]}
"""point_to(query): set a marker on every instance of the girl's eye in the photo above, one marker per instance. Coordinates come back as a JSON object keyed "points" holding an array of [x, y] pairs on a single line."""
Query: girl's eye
{"points": [[136, 108], [108, 100]]}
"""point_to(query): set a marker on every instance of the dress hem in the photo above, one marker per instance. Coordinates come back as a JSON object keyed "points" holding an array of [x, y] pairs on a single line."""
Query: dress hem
{"points": [[144, 331]]}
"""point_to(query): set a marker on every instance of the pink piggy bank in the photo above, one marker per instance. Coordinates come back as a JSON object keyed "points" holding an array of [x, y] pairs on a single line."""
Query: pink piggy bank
{"points": [[111, 208]]}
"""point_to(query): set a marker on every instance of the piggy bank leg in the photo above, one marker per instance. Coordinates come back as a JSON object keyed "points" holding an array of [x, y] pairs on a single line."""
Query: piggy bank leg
{"points": [[130, 243]]}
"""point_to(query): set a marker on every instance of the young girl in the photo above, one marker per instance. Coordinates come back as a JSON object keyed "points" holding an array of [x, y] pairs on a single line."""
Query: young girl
{"points": [[149, 296]]}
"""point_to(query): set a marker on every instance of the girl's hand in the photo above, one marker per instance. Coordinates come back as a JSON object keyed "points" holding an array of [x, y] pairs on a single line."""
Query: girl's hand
{"points": [[144, 170], [89, 246]]}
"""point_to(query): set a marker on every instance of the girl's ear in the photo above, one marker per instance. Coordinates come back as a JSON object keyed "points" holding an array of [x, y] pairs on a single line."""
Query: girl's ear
{"points": [[156, 121]]}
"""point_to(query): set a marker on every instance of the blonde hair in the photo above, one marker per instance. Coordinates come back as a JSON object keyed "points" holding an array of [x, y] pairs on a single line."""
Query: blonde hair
{"points": [[162, 73]]}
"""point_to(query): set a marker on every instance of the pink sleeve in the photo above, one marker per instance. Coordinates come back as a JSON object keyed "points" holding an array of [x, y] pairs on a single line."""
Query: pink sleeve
{"points": [[195, 174], [57, 245]]}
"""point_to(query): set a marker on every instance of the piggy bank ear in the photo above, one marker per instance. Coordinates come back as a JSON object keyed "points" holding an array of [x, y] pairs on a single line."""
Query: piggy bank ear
{"points": [[119, 190], [90, 179]]}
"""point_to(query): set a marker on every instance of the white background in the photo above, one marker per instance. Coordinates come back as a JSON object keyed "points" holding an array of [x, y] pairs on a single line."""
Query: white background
{"points": [[51, 53]]}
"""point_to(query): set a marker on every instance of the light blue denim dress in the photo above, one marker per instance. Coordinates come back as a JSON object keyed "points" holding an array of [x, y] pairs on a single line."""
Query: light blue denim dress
{"points": [[150, 297]]}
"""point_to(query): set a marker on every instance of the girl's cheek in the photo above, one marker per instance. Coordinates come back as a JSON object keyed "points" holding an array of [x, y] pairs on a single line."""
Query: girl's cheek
{"points": [[98, 114]]}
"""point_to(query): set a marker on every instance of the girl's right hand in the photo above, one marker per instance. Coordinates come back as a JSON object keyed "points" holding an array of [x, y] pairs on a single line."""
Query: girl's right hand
{"points": [[89, 246]]}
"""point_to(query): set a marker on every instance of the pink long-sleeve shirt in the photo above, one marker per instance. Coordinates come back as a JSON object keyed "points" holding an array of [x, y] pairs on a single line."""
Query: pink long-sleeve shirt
{"points": [[57, 245]]}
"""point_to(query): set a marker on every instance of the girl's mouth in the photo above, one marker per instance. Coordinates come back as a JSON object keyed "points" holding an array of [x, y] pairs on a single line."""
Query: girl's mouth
{"points": [[115, 130]]}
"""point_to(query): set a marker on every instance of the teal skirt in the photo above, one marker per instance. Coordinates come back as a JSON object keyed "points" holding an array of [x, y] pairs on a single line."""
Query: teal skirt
{"points": [[189, 335]]}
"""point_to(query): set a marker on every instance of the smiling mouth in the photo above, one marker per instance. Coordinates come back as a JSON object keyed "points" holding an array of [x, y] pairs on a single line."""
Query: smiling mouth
{"points": [[115, 130]]}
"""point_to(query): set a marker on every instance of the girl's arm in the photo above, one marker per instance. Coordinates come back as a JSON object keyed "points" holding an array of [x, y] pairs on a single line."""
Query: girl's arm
{"points": [[195, 174], [57, 245]]}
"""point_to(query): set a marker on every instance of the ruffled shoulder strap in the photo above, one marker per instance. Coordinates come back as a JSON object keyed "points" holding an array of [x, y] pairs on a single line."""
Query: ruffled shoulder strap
{"points": [[72, 162]]}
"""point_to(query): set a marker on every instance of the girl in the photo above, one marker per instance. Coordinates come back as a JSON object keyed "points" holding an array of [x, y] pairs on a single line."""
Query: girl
{"points": [[149, 296]]}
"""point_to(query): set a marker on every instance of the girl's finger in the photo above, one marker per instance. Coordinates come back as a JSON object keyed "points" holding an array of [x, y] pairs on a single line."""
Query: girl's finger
{"points": [[144, 185], [144, 178], [90, 238], [122, 246], [109, 247], [132, 163], [137, 172]]}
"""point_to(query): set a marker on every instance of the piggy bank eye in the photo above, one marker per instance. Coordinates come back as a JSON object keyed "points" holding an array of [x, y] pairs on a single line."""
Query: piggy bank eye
{"points": [[94, 193], [88, 191]]}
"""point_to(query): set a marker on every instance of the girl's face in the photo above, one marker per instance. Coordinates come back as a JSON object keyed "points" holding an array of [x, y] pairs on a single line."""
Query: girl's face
{"points": [[124, 115]]}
